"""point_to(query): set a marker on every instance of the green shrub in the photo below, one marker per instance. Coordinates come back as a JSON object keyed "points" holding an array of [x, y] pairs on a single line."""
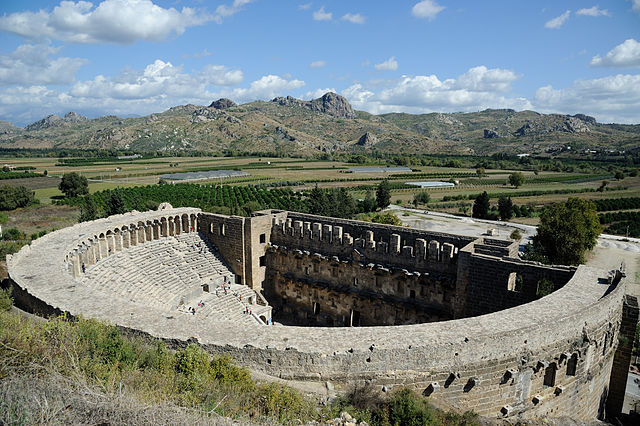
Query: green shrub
{"points": [[3, 218], [516, 235], [6, 301], [545, 287], [12, 234], [408, 409], [283, 403]]}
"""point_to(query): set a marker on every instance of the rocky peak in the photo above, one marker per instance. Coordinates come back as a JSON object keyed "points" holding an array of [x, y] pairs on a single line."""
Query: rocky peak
{"points": [[74, 117], [367, 140], [205, 114], [222, 103], [490, 134], [586, 118], [330, 103], [54, 120], [333, 104]]}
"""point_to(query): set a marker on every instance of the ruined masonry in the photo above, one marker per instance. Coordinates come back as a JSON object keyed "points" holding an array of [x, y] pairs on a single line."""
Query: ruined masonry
{"points": [[297, 296]]}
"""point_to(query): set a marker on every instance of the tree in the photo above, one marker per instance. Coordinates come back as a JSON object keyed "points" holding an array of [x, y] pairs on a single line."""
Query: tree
{"points": [[421, 198], [88, 209], [115, 203], [481, 206], [516, 179], [567, 230], [383, 194], [318, 201], [369, 203], [73, 185], [480, 171], [619, 175], [13, 197], [505, 208]]}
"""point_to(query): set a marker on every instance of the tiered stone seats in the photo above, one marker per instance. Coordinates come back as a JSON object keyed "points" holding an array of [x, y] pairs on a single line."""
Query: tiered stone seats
{"points": [[160, 272], [229, 306]]}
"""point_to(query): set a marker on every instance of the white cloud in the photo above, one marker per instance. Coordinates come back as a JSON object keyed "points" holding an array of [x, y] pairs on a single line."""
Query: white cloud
{"points": [[558, 21], [321, 15], [593, 11], [267, 87], [354, 18], [479, 88], [158, 80], [626, 54], [389, 65], [224, 11], [489, 80], [304, 6], [31, 65], [636, 5], [111, 21], [426, 9], [610, 99], [317, 64]]}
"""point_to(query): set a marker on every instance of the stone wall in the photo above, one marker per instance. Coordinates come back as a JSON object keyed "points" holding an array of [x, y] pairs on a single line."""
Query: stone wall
{"points": [[315, 289], [228, 235], [552, 356]]}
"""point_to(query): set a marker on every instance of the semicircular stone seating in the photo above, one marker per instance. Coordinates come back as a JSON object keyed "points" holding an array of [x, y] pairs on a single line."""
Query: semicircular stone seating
{"points": [[184, 274]]}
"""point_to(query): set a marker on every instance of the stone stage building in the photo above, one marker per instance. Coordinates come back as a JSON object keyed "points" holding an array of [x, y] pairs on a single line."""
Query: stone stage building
{"points": [[462, 320]]}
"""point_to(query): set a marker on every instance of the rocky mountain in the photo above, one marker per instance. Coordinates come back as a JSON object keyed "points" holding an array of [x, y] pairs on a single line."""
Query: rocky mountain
{"points": [[330, 103], [53, 120], [287, 125]]}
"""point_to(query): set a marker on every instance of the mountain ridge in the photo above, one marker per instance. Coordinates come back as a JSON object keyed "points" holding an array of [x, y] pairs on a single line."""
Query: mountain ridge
{"points": [[329, 123]]}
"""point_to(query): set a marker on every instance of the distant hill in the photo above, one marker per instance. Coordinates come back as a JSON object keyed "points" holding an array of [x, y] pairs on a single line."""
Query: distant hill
{"points": [[327, 124]]}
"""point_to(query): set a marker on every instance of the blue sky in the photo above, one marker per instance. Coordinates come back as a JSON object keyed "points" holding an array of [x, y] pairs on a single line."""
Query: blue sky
{"points": [[135, 57]]}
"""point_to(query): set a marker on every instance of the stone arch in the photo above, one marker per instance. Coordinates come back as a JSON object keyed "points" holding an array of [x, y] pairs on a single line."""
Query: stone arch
{"points": [[117, 240], [102, 244], [177, 222], [148, 231], [126, 236], [185, 223], [194, 223], [164, 227]]}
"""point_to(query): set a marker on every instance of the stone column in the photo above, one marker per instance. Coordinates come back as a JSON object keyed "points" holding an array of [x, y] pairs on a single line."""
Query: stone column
{"points": [[316, 231], [394, 244], [337, 234], [155, 229], [434, 250], [126, 238], [447, 252], [421, 249], [117, 240], [164, 227], [326, 232], [297, 228], [91, 253]]}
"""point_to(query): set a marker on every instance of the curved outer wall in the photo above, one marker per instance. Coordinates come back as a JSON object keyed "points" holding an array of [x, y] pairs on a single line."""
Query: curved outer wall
{"points": [[497, 364]]}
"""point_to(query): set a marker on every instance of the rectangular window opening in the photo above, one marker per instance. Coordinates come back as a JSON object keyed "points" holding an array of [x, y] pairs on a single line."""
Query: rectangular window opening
{"points": [[263, 238], [550, 375], [221, 230], [263, 260], [514, 283], [572, 364]]}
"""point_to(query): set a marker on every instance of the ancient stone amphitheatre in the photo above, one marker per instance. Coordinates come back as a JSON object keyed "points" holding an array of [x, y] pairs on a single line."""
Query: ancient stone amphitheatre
{"points": [[296, 296]]}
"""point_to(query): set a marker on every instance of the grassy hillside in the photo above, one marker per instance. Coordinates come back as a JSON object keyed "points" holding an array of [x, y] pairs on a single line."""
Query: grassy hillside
{"points": [[293, 128]]}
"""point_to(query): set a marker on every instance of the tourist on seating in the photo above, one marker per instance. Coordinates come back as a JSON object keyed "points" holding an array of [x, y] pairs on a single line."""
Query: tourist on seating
{"points": [[84, 268]]}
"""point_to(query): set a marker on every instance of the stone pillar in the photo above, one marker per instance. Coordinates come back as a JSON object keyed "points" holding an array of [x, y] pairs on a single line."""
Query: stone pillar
{"points": [[148, 231], [447, 252], [117, 241], [421, 249], [394, 244], [75, 263], [177, 223], [337, 234], [326, 232], [382, 246], [288, 227], [316, 231], [133, 236], [102, 243], [126, 238], [407, 251], [91, 253], [434, 250], [84, 255], [170, 224], [155, 228], [111, 244], [297, 228], [164, 227], [306, 228]]}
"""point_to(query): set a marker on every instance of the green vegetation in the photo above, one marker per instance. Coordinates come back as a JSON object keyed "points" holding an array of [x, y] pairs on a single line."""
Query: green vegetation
{"points": [[481, 206], [622, 223], [73, 185], [545, 287], [566, 231], [610, 204], [421, 198], [387, 218], [18, 175], [88, 354], [13, 197], [505, 208], [383, 194], [516, 179], [515, 235]]}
